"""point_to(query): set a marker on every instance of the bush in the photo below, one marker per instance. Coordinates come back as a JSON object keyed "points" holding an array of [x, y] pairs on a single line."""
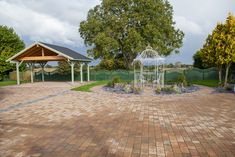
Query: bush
{"points": [[127, 88], [231, 81], [168, 89], [114, 80], [158, 90], [136, 90], [181, 80], [109, 84], [176, 89], [229, 87]]}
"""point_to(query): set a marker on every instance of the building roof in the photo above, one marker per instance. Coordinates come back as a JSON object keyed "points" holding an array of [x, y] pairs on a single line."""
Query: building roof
{"points": [[71, 53], [34, 52]]}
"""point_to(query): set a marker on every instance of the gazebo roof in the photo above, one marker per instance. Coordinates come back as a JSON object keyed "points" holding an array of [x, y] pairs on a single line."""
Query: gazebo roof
{"points": [[48, 52]]}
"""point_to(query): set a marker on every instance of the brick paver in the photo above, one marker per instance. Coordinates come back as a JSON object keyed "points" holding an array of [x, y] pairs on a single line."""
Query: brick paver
{"points": [[106, 124]]}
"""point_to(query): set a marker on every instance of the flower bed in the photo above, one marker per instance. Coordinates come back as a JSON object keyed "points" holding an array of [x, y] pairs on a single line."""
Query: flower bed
{"points": [[175, 89], [123, 88]]}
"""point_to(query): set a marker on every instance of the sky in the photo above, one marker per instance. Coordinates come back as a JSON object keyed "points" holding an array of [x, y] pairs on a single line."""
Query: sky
{"points": [[57, 21]]}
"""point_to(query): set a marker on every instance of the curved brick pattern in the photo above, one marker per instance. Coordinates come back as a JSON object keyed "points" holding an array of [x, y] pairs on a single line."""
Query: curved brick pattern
{"points": [[101, 124]]}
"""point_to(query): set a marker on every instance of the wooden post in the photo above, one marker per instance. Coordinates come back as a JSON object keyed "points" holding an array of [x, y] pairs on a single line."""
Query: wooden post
{"points": [[88, 72], [31, 71], [42, 73], [81, 73], [134, 74], [72, 71], [17, 73], [43, 65], [163, 76], [72, 63]]}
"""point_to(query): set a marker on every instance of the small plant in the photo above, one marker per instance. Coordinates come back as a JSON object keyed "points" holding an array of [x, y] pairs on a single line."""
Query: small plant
{"points": [[181, 80], [232, 82], [136, 90], [114, 80], [127, 88], [176, 89], [109, 84], [228, 88], [158, 90], [167, 89]]}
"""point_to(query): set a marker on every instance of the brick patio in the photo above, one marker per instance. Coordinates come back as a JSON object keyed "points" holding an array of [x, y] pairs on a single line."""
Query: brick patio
{"points": [[57, 122]]}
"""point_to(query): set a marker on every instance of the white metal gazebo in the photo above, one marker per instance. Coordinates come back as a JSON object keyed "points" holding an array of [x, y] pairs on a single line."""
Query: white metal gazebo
{"points": [[149, 68]]}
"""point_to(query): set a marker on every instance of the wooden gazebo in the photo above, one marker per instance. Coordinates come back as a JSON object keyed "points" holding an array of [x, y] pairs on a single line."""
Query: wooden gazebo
{"points": [[42, 53]]}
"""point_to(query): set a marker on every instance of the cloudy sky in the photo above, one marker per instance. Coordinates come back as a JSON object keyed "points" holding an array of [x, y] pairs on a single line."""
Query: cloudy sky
{"points": [[57, 21]]}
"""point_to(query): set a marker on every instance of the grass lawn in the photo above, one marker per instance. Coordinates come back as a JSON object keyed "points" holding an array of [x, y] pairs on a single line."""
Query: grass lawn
{"points": [[208, 83], [87, 87], [7, 83], [10, 82]]}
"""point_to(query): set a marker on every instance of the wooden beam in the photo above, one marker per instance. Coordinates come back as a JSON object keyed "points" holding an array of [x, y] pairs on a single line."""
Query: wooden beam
{"points": [[43, 58]]}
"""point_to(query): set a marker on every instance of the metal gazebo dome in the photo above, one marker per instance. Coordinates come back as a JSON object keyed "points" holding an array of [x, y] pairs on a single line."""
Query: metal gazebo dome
{"points": [[149, 56]]}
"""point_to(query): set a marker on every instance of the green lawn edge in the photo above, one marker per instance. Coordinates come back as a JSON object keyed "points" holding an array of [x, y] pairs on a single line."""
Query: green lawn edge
{"points": [[208, 83], [10, 83], [87, 87]]}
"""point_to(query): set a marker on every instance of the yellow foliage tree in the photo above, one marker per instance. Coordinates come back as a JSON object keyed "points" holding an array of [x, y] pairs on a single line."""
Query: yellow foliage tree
{"points": [[219, 48]]}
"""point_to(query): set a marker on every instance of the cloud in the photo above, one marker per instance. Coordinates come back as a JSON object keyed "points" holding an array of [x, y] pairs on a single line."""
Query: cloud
{"points": [[197, 19], [187, 26], [57, 21], [43, 22]]}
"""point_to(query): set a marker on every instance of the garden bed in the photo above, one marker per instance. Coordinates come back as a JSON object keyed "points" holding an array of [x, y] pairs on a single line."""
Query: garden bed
{"points": [[175, 89], [124, 88], [180, 86]]}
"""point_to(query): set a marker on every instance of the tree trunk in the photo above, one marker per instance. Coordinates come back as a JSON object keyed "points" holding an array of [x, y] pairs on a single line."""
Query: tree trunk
{"points": [[226, 74]]}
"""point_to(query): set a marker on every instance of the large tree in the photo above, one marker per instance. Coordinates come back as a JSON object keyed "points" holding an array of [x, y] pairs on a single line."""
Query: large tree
{"points": [[10, 43], [219, 48], [126, 27]]}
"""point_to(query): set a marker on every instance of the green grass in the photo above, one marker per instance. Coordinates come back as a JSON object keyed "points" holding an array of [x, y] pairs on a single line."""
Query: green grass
{"points": [[208, 83], [87, 87], [10, 82], [7, 83]]}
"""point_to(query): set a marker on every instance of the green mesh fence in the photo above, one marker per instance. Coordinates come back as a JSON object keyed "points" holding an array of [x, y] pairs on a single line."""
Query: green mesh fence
{"points": [[170, 75], [201, 74], [108, 75], [193, 74]]}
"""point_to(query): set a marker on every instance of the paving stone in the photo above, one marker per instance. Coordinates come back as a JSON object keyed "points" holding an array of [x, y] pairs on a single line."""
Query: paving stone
{"points": [[103, 124]]}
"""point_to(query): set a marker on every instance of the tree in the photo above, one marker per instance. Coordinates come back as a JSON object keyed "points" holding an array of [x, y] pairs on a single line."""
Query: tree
{"points": [[10, 43], [219, 48], [112, 64], [126, 27], [107, 64], [178, 64], [198, 61], [227, 38], [64, 68], [171, 65]]}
